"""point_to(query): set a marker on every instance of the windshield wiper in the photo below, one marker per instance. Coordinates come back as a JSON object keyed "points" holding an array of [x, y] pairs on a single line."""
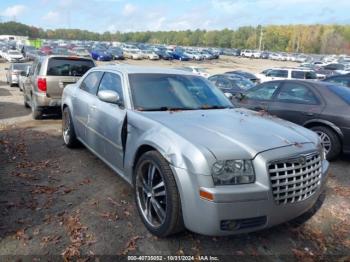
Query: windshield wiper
{"points": [[167, 108], [214, 107]]}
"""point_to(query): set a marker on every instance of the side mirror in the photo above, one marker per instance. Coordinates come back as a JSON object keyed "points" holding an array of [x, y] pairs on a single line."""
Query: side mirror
{"points": [[109, 96], [228, 95]]}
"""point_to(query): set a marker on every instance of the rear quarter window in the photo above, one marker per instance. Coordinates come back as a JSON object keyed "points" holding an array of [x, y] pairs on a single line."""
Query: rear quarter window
{"points": [[68, 66]]}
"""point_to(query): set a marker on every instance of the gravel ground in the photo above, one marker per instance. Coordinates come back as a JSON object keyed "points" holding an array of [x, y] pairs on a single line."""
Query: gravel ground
{"points": [[66, 203]]}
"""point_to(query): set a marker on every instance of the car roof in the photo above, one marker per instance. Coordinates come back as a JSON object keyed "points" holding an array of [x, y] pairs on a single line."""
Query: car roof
{"points": [[132, 69]]}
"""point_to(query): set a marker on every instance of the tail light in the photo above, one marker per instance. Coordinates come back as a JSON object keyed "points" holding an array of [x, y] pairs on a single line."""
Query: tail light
{"points": [[42, 85]]}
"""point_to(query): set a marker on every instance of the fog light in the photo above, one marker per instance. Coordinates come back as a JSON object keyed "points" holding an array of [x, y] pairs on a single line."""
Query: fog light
{"points": [[228, 225]]}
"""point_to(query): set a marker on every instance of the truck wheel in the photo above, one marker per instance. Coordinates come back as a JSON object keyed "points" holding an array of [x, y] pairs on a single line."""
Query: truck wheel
{"points": [[68, 132], [156, 195], [329, 140]]}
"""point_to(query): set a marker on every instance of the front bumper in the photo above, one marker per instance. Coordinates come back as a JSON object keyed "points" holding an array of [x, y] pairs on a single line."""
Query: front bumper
{"points": [[250, 204]]}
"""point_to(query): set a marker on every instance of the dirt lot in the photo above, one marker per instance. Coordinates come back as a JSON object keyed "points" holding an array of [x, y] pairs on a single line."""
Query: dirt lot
{"points": [[55, 201]]}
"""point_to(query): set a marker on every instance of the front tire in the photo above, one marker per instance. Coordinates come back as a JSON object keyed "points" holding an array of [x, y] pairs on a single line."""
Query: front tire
{"points": [[329, 140], [68, 132], [156, 195]]}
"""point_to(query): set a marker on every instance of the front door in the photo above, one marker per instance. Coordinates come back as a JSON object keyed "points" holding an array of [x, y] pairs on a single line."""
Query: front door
{"points": [[107, 121]]}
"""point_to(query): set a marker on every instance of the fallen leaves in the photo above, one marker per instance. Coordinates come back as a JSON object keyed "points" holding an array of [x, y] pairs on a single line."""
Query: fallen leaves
{"points": [[50, 240], [342, 191], [111, 216], [78, 236], [22, 236], [131, 245], [44, 190]]}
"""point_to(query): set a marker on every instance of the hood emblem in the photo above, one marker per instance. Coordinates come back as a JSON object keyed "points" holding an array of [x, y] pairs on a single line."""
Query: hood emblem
{"points": [[302, 160]]}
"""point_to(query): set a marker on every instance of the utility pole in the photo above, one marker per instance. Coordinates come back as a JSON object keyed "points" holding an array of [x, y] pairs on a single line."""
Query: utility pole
{"points": [[261, 38]]}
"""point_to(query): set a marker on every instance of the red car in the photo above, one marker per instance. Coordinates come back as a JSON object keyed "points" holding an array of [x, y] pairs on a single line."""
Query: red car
{"points": [[47, 50]]}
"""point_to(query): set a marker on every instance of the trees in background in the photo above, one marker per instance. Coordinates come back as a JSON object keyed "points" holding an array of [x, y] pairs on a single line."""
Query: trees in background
{"points": [[334, 39]]}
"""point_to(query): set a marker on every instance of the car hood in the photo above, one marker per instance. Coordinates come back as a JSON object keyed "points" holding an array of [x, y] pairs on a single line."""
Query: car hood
{"points": [[231, 133]]}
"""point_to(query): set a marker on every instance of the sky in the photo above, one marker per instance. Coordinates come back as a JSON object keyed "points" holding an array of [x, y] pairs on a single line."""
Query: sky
{"points": [[153, 15]]}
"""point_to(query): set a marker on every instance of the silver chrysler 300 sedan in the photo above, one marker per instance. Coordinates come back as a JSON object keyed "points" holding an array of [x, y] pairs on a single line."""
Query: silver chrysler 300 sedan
{"points": [[194, 161]]}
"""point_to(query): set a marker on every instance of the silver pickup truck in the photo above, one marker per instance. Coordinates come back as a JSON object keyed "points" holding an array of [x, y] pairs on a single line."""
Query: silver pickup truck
{"points": [[48, 77]]}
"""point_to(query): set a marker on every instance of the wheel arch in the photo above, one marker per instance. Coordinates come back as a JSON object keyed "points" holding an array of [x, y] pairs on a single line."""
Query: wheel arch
{"points": [[327, 124]]}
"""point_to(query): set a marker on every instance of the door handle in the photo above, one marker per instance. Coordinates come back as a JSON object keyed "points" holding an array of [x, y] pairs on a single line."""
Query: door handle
{"points": [[93, 107]]}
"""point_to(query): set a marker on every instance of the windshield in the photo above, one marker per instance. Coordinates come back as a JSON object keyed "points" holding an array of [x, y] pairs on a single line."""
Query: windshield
{"points": [[159, 92]]}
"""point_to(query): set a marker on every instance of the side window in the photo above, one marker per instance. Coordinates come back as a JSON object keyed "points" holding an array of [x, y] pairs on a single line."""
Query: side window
{"points": [[90, 83], [263, 92], [278, 73], [112, 82], [298, 74], [223, 83], [296, 93]]}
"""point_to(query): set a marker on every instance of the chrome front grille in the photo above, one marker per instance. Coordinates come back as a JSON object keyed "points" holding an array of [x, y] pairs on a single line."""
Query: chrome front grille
{"points": [[295, 179]]}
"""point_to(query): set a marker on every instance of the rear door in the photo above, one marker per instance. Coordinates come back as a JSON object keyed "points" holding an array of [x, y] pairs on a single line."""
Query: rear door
{"points": [[85, 98], [62, 71], [296, 102], [107, 121]]}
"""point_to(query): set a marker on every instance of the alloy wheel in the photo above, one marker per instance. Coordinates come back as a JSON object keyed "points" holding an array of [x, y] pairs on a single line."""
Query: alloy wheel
{"points": [[151, 194], [325, 141], [66, 126]]}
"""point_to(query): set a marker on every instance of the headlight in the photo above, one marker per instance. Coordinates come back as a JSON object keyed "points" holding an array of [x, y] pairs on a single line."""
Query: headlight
{"points": [[233, 172]]}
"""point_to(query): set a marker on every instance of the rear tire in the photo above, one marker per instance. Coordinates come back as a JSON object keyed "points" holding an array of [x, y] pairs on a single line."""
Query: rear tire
{"points": [[68, 132], [157, 194], [25, 102], [36, 112], [330, 141]]}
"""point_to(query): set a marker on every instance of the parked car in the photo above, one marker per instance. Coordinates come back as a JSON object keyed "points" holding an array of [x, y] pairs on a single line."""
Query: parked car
{"points": [[47, 50], [133, 54], [24, 77], [196, 70], [287, 73], [116, 52], [247, 75], [13, 73], [193, 55], [207, 158], [151, 55], [27, 48], [321, 106], [101, 55], [48, 77], [80, 51], [343, 80], [31, 55], [331, 69], [247, 53], [61, 51], [180, 56], [231, 83], [163, 54], [13, 56]]}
